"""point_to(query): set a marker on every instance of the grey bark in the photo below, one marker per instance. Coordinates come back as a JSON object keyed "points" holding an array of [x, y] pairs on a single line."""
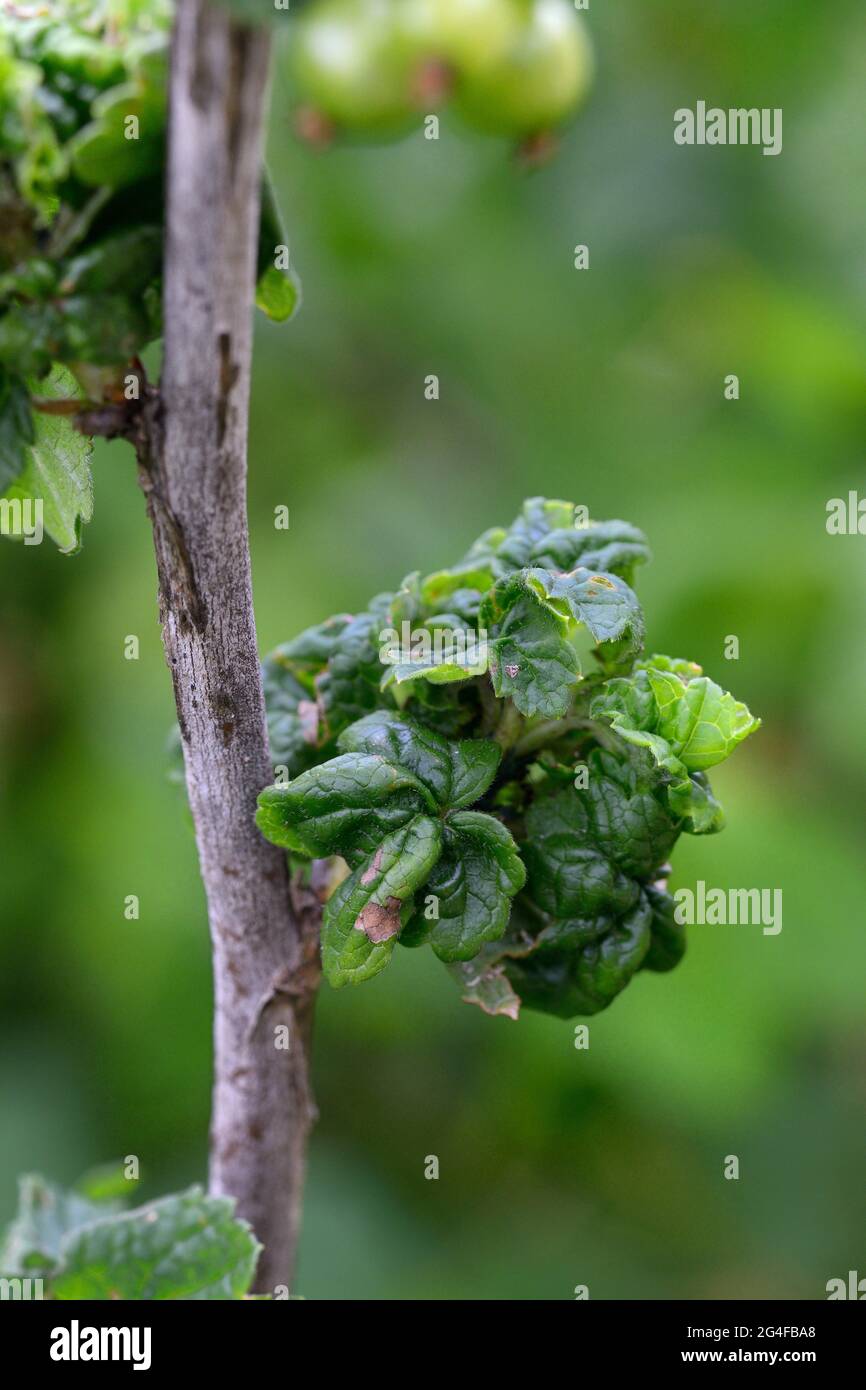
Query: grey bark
{"points": [[192, 440]]}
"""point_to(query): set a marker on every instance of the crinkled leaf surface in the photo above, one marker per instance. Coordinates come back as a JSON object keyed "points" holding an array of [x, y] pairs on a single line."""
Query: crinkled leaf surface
{"points": [[568, 981], [190, 1246], [532, 661], [668, 943], [603, 603], [343, 806], [349, 685], [687, 723], [293, 718], [626, 811], [363, 917], [613, 547], [456, 774], [569, 874], [374, 804], [437, 590], [538, 517], [296, 725], [568, 932], [695, 721], [443, 669], [474, 881]]}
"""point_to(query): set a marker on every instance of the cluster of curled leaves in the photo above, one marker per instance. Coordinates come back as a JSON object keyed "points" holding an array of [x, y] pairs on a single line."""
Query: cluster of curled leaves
{"points": [[494, 768], [84, 1243], [83, 108]]}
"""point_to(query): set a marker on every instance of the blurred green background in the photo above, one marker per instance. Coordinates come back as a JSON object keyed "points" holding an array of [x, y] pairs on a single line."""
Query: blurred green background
{"points": [[558, 1167]]}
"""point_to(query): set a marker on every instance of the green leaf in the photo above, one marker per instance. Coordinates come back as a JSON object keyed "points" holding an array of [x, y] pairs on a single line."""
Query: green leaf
{"points": [[45, 1215], [693, 721], [364, 915], [31, 335], [190, 1246], [450, 664], [456, 774], [30, 147], [668, 943], [406, 603], [309, 653], [567, 933], [605, 967], [532, 662], [447, 709], [561, 980], [538, 517], [602, 603], [296, 727], [344, 806], [486, 548], [687, 723], [702, 722], [105, 152], [86, 59], [569, 875], [476, 877], [488, 986], [613, 547], [56, 475], [104, 329], [624, 811], [106, 1182], [292, 718], [349, 687], [438, 589], [532, 613], [277, 293], [127, 262], [691, 799]]}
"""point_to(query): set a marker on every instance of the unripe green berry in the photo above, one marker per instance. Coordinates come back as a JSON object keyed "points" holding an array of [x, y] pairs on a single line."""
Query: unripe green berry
{"points": [[539, 81], [355, 64]]}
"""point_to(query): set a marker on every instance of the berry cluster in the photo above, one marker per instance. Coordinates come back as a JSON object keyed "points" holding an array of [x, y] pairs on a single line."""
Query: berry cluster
{"points": [[373, 69]]}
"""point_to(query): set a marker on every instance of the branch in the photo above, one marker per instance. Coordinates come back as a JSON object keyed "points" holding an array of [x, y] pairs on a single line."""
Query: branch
{"points": [[191, 440]]}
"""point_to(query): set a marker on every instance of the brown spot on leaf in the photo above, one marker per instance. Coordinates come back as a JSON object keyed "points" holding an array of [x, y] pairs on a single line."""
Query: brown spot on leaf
{"points": [[380, 921], [371, 871]]}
